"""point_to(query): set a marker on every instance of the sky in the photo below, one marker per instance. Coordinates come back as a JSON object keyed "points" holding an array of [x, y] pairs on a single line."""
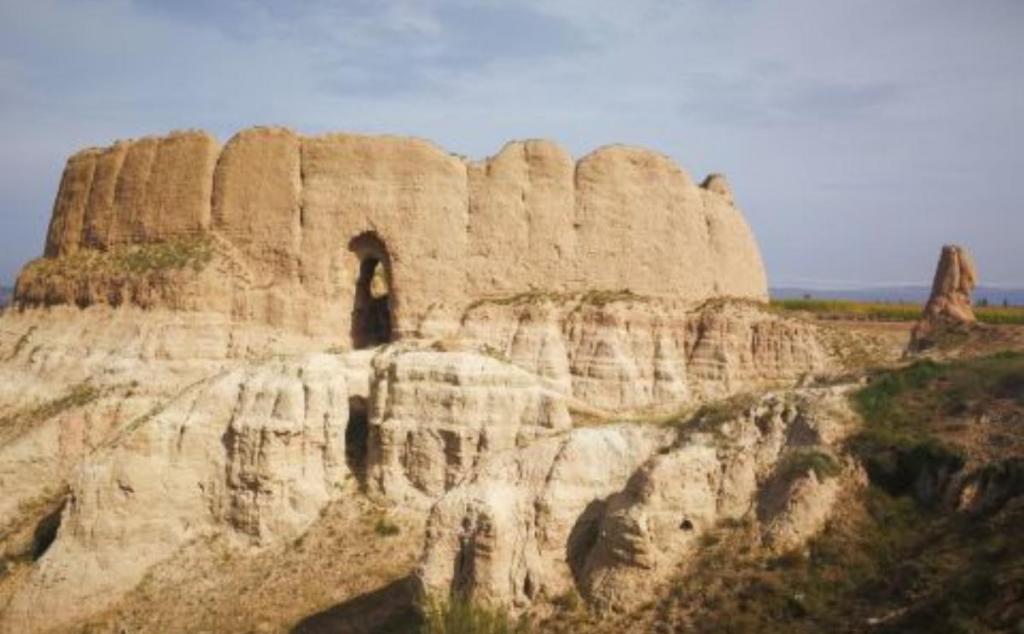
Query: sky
{"points": [[859, 136]]}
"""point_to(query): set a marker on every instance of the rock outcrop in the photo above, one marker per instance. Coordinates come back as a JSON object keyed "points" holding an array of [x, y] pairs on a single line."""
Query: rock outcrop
{"points": [[434, 416], [150, 436], [285, 220], [201, 377], [949, 305], [612, 511], [255, 453], [623, 352], [955, 279]]}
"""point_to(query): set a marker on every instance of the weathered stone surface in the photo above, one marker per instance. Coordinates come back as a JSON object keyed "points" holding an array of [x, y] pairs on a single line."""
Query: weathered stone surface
{"points": [[521, 232], [434, 416], [517, 529], [950, 302], [254, 452], [257, 198], [955, 279], [284, 211], [72, 200], [148, 190], [624, 352], [615, 511]]}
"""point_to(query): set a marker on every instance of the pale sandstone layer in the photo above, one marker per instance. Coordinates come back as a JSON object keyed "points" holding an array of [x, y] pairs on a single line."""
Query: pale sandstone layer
{"points": [[198, 434], [623, 352], [280, 211]]}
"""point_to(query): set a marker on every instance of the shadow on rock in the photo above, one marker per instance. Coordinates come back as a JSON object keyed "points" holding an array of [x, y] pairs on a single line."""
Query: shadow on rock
{"points": [[387, 610]]}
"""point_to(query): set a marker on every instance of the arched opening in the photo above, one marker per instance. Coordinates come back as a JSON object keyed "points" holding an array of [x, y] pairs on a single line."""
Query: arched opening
{"points": [[371, 310]]}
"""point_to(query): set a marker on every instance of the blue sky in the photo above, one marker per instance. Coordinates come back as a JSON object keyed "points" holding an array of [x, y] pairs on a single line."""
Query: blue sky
{"points": [[859, 135]]}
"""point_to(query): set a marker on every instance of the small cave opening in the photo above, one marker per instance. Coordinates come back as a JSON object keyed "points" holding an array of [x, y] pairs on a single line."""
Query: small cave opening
{"points": [[583, 537], [686, 524], [357, 433], [45, 533], [372, 306]]}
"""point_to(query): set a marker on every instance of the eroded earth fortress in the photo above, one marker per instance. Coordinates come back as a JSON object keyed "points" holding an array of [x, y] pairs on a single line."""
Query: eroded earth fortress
{"points": [[237, 372]]}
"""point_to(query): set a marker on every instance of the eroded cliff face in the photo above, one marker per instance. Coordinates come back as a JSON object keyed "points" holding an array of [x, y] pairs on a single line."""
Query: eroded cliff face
{"points": [[624, 352], [182, 412], [150, 438], [612, 511], [277, 214]]}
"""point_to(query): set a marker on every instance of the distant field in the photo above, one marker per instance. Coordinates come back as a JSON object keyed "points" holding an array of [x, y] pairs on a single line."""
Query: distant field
{"points": [[883, 311]]}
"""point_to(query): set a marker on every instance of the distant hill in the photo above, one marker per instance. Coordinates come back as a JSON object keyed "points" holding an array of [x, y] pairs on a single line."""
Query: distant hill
{"points": [[912, 294], [6, 294]]}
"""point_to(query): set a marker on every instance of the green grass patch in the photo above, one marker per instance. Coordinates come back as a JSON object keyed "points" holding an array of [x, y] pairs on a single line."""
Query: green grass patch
{"points": [[797, 463], [464, 616], [386, 528], [884, 311], [80, 395], [843, 309], [907, 400], [132, 260], [906, 409], [710, 417], [892, 566], [164, 256]]}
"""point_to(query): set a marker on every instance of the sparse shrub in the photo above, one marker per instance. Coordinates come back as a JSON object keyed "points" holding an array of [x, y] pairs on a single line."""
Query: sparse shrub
{"points": [[78, 396], [709, 539], [464, 616], [710, 417], [877, 402], [790, 559], [735, 523], [163, 256], [386, 528], [903, 408], [798, 463], [125, 261], [568, 601]]}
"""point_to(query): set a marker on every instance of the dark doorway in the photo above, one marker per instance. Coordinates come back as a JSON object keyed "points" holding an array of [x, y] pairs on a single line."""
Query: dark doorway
{"points": [[357, 434], [371, 311]]}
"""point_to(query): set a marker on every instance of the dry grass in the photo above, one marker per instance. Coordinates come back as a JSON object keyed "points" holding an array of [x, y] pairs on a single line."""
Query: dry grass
{"points": [[16, 423], [135, 259], [462, 616], [884, 311], [588, 298], [334, 576]]}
